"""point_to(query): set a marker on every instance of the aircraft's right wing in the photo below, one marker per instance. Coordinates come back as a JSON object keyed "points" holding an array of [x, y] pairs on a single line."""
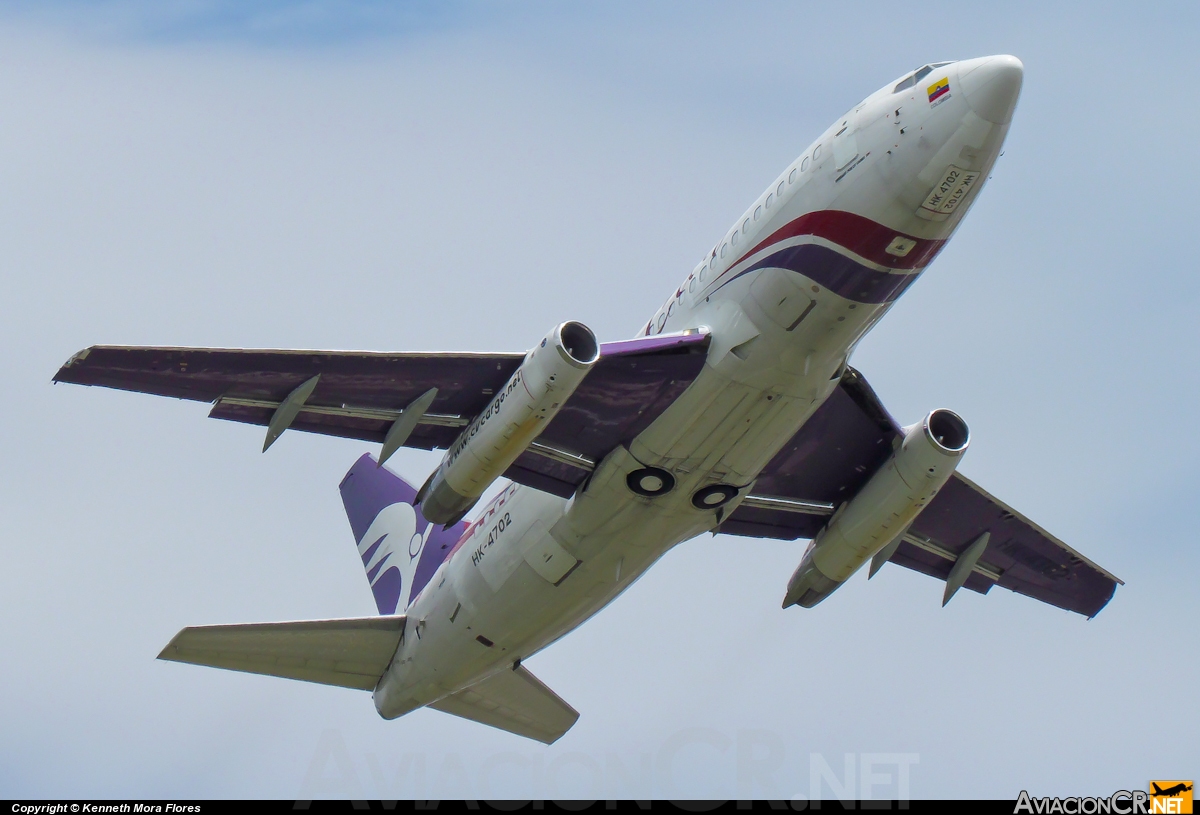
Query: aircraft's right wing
{"points": [[513, 700]]}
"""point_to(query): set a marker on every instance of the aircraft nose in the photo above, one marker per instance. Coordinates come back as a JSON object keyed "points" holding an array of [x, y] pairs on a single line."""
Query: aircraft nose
{"points": [[991, 85]]}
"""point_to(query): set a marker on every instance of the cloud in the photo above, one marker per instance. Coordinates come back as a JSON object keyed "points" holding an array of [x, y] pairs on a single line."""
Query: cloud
{"points": [[273, 24]]}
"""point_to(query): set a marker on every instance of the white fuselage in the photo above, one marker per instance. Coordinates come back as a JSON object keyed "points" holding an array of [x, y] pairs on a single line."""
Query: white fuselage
{"points": [[874, 194]]}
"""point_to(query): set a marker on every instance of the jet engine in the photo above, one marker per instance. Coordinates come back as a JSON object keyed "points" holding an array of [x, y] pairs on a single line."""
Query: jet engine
{"points": [[883, 509], [547, 377]]}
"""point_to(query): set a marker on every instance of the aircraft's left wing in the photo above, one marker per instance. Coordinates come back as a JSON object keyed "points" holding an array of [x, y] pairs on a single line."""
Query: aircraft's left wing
{"points": [[830, 459], [360, 395]]}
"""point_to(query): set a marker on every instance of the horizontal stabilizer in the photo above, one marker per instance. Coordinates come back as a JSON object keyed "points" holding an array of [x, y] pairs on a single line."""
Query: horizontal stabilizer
{"points": [[350, 653], [515, 701]]}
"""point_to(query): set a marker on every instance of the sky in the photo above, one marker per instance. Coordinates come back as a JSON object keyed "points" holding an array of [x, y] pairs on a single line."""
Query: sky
{"points": [[463, 176]]}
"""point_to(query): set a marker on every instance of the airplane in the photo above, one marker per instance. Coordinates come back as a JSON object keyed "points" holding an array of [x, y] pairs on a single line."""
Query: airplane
{"points": [[1170, 792], [732, 410]]}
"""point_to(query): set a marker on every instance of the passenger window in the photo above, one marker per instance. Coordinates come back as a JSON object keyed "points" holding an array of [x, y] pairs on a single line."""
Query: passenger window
{"points": [[703, 272], [779, 190], [692, 285], [770, 200], [735, 238], [757, 214], [724, 246], [745, 224], [817, 153], [803, 165], [792, 174]]}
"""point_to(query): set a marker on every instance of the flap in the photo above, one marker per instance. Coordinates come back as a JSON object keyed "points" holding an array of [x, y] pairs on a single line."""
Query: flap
{"points": [[350, 653], [513, 700]]}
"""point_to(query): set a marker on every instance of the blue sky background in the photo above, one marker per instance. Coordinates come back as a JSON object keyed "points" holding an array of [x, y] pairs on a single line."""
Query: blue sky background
{"points": [[463, 176]]}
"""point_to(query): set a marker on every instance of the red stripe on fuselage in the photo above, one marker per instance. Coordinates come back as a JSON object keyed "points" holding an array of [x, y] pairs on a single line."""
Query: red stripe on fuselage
{"points": [[860, 235]]}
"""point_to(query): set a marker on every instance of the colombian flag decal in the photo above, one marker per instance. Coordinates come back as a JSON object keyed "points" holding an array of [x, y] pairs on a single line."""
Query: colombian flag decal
{"points": [[939, 89]]}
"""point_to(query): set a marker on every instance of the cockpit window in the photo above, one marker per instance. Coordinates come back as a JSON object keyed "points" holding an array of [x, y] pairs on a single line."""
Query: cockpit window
{"points": [[918, 75]]}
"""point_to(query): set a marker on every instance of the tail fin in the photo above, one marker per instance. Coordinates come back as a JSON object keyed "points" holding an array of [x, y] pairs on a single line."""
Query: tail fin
{"points": [[400, 550]]}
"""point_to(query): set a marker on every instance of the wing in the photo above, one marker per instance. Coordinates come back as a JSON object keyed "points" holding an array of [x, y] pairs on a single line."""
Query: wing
{"points": [[361, 394], [1020, 555], [845, 442], [515, 701], [350, 653]]}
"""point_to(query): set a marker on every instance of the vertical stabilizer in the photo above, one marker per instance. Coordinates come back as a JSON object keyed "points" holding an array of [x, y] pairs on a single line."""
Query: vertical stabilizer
{"points": [[400, 550]]}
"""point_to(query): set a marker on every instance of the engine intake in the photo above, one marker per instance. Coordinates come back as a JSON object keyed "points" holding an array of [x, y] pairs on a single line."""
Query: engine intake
{"points": [[947, 430]]}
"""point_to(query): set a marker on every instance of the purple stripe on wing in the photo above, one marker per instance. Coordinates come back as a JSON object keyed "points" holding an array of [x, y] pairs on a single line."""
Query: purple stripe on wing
{"points": [[643, 345]]}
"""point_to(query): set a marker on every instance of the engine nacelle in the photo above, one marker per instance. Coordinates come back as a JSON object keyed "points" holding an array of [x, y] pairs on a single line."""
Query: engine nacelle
{"points": [[521, 410], [883, 509]]}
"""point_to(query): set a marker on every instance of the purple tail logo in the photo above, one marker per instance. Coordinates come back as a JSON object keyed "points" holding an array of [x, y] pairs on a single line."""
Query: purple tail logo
{"points": [[400, 550]]}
